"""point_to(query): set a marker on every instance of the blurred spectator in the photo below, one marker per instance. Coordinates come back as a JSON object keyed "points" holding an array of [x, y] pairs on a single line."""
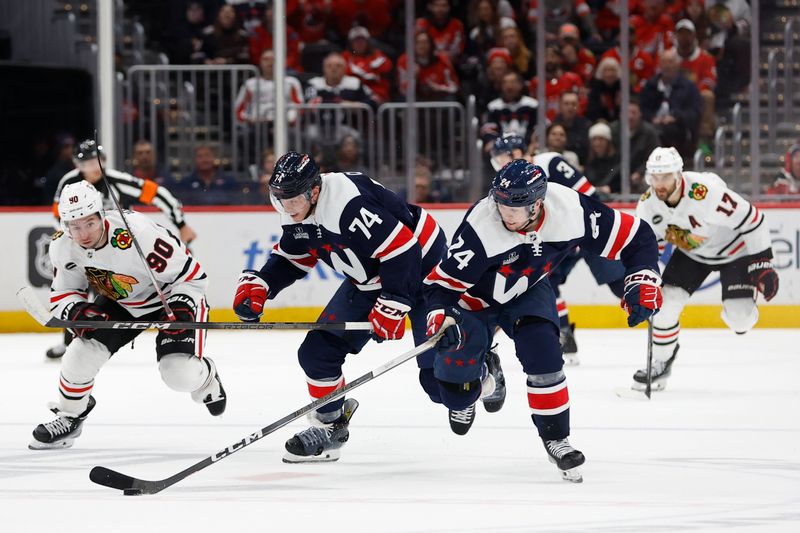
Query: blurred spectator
{"points": [[225, 42], [144, 165], [250, 14], [643, 138], [788, 181], [498, 64], [436, 78], [375, 15], [730, 44], [556, 141], [259, 190], [483, 20], [522, 58], [368, 64], [558, 12], [607, 16], [513, 112], [348, 156], [184, 40], [558, 81], [423, 185], [446, 32], [672, 103], [602, 166], [654, 27], [65, 144], [255, 102], [576, 126], [312, 19], [605, 92], [641, 65], [261, 39], [696, 12], [207, 184], [701, 69], [334, 86], [577, 58]]}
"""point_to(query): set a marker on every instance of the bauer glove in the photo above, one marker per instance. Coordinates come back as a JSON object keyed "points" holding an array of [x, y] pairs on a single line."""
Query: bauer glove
{"points": [[86, 311], [763, 275], [182, 308]]}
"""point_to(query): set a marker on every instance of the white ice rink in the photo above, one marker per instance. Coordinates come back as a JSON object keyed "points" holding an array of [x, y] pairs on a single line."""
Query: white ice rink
{"points": [[719, 450]]}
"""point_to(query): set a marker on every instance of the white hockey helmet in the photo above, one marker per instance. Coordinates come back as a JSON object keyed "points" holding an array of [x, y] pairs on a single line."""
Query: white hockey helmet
{"points": [[78, 200], [663, 160]]}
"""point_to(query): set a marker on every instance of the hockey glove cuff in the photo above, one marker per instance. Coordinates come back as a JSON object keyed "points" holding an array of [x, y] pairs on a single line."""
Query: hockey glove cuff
{"points": [[453, 337], [642, 298], [251, 293], [86, 311], [388, 317], [763, 275]]}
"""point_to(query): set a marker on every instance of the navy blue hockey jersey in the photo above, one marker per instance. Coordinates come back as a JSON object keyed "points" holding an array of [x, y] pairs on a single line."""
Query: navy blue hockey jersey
{"points": [[559, 171], [363, 231], [488, 265]]}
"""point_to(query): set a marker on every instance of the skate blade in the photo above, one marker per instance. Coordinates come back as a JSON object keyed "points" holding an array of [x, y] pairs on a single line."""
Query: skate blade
{"points": [[654, 386], [571, 359], [573, 475], [325, 457], [36, 445], [492, 405]]}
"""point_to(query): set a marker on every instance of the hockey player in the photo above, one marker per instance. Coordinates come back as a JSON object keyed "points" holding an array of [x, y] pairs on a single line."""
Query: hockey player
{"points": [[712, 229], [382, 245], [128, 189], [95, 250], [605, 272], [496, 274]]}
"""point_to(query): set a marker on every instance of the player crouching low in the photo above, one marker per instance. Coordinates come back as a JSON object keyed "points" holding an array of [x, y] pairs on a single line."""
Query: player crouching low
{"points": [[496, 274], [712, 229], [98, 251]]}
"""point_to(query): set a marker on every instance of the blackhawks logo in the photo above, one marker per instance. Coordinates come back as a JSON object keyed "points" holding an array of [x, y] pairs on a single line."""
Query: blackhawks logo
{"points": [[698, 191], [111, 285], [683, 238], [121, 239]]}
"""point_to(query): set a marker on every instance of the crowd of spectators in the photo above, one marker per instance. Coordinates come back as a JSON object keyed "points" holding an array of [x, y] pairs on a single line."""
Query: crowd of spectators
{"points": [[687, 58]]}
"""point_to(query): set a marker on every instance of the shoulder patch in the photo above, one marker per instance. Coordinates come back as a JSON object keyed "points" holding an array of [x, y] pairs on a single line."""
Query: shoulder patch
{"points": [[645, 195], [121, 239], [698, 191], [56, 235]]}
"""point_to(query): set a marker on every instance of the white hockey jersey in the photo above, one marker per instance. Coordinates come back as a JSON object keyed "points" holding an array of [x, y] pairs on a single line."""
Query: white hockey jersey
{"points": [[711, 223], [116, 271]]}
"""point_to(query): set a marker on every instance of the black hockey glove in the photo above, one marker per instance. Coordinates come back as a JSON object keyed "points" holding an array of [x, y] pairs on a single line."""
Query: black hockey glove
{"points": [[184, 310], [762, 275], [86, 311]]}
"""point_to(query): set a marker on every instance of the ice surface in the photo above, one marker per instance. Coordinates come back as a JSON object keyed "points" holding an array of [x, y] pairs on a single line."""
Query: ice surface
{"points": [[718, 450]]}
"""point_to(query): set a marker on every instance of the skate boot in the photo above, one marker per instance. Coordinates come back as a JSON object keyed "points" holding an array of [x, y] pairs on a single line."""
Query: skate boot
{"points": [[659, 373], [212, 394], [569, 347], [57, 351], [321, 444], [61, 432], [461, 420], [566, 458], [494, 402]]}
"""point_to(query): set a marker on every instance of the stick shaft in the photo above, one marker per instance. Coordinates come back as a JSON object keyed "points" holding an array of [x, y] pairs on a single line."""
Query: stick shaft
{"points": [[649, 384]]}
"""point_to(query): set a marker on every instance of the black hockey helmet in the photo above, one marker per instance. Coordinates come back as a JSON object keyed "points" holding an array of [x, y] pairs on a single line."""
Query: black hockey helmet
{"points": [[294, 174], [86, 151], [519, 183]]}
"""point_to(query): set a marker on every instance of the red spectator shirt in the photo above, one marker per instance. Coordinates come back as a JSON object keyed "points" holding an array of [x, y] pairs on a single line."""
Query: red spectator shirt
{"points": [[641, 66], [653, 37], [449, 40], [373, 70], [569, 81], [375, 15], [262, 40], [701, 68], [437, 77], [585, 65]]}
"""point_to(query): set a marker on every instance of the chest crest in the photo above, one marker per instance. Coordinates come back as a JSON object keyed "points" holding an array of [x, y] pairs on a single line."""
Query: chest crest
{"points": [[110, 284]]}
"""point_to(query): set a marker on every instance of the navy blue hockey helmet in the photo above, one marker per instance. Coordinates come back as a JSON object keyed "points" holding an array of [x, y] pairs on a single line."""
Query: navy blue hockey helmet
{"points": [[294, 174], [518, 184], [507, 144]]}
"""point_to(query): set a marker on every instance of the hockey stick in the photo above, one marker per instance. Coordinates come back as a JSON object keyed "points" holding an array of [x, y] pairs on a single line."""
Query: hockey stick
{"points": [[649, 357], [139, 251], [34, 307], [132, 486]]}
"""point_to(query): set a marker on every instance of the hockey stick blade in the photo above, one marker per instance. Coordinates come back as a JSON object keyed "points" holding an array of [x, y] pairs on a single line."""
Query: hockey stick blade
{"points": [[631, 394], [134, 486], [27, 297]]}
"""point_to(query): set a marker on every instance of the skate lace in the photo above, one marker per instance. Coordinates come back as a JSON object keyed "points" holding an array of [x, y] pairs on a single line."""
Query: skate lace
{"points": [[559, 448], [59, 426], [463, 416], [314, 436]]}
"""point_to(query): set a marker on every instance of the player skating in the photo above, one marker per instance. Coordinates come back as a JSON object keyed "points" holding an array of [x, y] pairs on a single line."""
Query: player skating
{"points": [[128, 189], [496, 274], [95, 251], [712, 229]]}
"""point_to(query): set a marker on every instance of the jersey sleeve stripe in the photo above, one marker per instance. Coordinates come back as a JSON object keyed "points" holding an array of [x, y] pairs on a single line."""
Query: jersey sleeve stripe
{"points": [[426, 232], [54, 299], [400, 240], [612, 236], [624, 230], [737, 248], [472, 303], [149, 190], [194, 272], [304, 262], [583, 186], [438, 277]]}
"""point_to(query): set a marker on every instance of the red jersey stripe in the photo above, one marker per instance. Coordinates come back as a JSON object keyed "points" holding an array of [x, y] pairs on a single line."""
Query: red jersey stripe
{"points": [[625, 224]]}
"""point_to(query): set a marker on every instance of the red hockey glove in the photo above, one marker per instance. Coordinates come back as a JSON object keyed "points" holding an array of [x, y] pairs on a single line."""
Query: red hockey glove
{"points": [[453, 337], [182, 308], [86, 311], [763, 275], [388, 317], [251, 293], [642, 297]]}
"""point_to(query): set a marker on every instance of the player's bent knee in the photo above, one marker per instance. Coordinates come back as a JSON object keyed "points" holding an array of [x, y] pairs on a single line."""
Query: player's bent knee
{"points": [[430, 384], [83, 360], [183, 372], [320, 353], [674, 300], [740, 314]]}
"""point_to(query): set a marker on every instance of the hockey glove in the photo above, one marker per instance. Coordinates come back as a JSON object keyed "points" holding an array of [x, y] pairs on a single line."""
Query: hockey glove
{"points": [[453, 337], [388, 317], [86, 311], [251, 293], [182, 308], [763, 275], [642, 297]]}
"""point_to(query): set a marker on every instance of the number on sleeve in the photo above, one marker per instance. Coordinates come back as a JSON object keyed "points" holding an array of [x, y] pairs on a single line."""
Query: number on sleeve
{"points": [[463, 257], [367, 220], [565, 169], [157, 259], [726, 199]]}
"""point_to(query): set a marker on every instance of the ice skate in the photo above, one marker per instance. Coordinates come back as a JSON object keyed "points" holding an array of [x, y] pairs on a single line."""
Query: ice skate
{"points": [[61, 432], [566, 458], [569, 347], [494, 401], [461, 420], [659, 373], [212, 394], [57, 351], [321, 444]]}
